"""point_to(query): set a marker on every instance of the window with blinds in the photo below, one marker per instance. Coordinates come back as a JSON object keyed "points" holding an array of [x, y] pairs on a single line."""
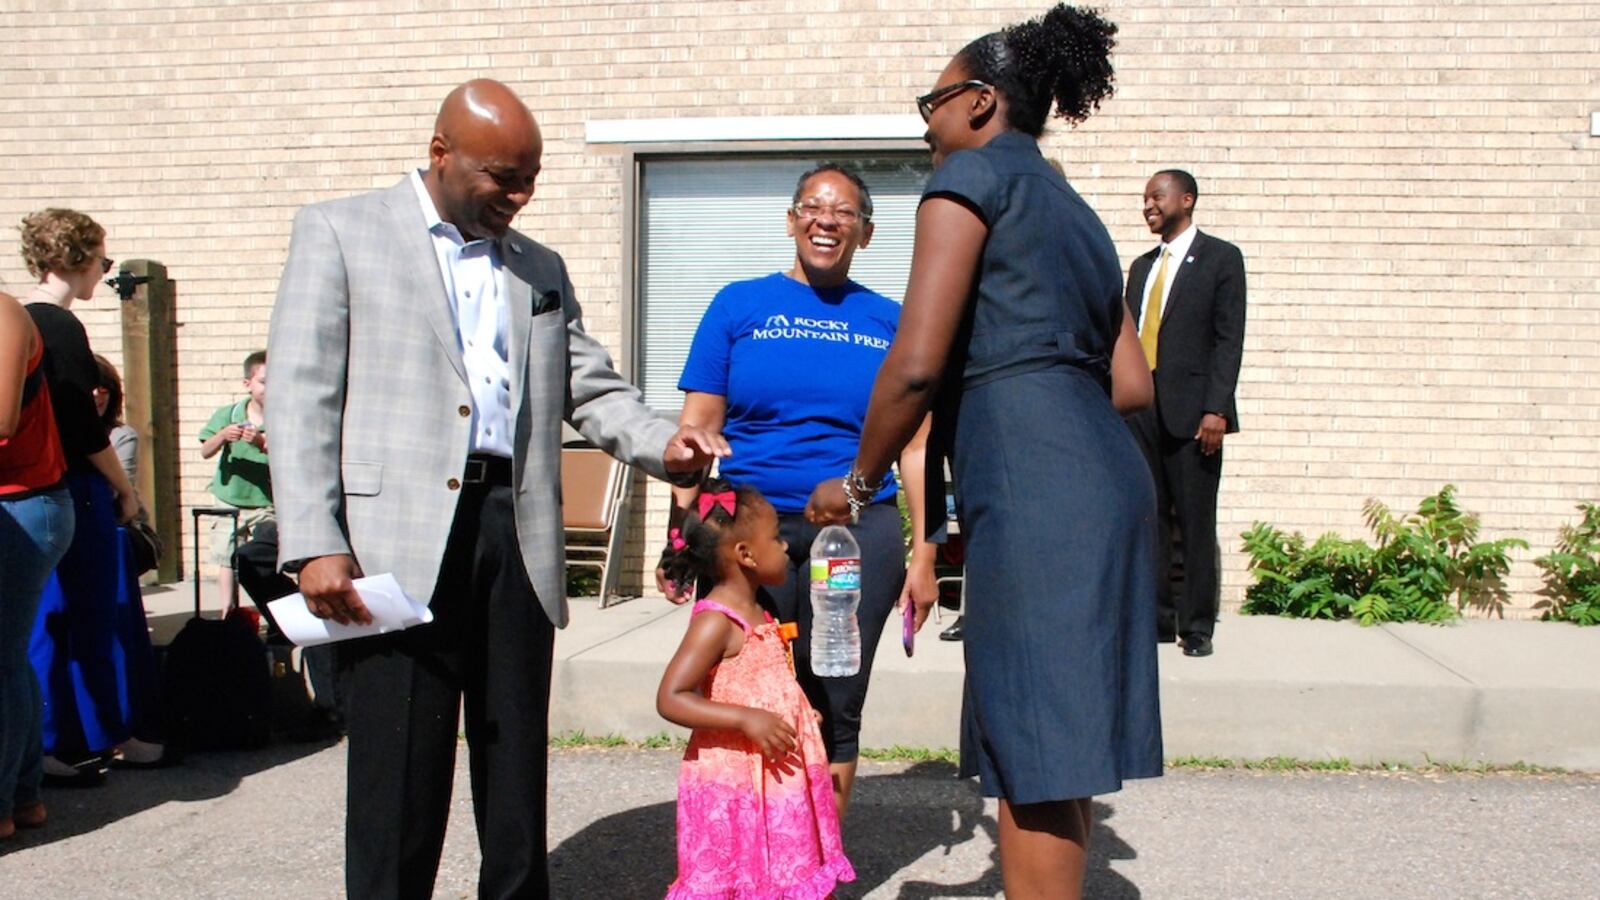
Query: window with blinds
{"points": [[706, 222]]}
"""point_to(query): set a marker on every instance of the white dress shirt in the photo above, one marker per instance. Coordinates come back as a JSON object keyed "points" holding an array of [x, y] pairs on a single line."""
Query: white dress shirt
{"points": [[1179, 250], [476, 282]]}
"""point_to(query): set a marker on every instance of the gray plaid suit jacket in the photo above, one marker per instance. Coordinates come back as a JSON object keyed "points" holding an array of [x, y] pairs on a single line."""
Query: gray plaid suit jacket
{"points": [[369, 412]]}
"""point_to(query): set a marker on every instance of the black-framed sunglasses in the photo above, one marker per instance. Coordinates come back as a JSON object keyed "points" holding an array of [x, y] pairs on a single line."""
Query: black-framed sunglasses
{"points": [[105, 265], [927, 103]]}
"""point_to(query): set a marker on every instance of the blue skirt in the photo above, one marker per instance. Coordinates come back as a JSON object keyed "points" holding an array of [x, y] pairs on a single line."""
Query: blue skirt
{"points": [[91, 642], [1062, 698]]}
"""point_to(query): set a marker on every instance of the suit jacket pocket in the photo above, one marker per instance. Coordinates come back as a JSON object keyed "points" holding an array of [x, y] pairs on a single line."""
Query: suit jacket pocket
{"points": [[547, 301], [362, 479]]}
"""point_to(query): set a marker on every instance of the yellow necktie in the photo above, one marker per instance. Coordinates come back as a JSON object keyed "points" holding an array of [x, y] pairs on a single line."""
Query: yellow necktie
{"points": [[1151, 329]]}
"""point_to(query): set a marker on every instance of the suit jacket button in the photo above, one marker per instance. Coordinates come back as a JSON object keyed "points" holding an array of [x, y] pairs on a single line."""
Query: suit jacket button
{"points": [[464, 411], [453, 484]]}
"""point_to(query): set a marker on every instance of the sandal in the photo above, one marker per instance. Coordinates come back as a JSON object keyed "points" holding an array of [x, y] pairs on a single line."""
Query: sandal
{"points": [[32, 815]]}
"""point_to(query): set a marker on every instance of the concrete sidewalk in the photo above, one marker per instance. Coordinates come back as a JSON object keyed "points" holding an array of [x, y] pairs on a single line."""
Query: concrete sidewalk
{"points": [[1491, 692]]}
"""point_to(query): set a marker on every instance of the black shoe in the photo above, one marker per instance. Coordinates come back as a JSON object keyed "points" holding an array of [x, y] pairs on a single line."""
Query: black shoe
{"points": [[319, 725], [953, 633], [1197, 645], [88, 773]]}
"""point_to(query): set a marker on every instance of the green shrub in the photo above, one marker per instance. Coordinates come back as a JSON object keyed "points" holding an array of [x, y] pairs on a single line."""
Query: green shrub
{"points": [[1572, 572], [1427, 567]]}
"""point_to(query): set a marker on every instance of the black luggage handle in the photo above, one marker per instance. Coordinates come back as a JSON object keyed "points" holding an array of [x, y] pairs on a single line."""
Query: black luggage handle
{"points": [[220, 512]]}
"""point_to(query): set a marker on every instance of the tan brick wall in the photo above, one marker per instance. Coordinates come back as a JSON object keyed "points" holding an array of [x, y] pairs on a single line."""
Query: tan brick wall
{"points": [[1411, 182]]}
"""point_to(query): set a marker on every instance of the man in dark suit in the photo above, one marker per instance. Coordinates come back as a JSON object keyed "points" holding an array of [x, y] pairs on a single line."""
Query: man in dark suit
{"points": [[1187, 297]]}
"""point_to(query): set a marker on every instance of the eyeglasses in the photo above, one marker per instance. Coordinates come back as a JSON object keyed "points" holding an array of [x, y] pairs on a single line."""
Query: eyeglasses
{"points": [[105, 265], [844, 215], [927, 103]]}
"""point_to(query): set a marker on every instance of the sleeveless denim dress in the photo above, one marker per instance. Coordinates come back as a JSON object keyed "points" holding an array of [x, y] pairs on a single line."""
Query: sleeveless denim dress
{"points": [[1053, 496]]}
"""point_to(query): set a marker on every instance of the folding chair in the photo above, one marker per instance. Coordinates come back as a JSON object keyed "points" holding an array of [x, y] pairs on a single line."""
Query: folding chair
{"points": [[949, 565], [594, 502], [950, 569]]}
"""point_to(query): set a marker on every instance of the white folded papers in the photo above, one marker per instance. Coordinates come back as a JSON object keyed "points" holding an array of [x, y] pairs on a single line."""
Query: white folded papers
{"points": [[391, 607]]}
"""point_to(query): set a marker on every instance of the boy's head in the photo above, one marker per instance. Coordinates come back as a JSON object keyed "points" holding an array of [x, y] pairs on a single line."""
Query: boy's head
{"points": [[255, 376]]}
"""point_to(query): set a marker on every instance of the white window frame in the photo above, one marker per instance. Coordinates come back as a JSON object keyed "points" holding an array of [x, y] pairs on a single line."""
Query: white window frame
{"points": [[636, 156]]}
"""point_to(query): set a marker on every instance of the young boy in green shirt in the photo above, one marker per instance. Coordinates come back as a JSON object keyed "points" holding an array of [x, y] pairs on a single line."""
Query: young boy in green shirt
{"points": [[242, 480]]}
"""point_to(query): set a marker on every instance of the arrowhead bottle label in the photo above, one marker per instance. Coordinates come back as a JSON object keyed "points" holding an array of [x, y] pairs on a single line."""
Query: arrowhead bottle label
{"points": [[836, 574]]}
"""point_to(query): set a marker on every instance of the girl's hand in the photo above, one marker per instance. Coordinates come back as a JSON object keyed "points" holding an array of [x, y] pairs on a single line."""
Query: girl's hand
{"points": [[772, 735], [676, 593], [231, 433]]}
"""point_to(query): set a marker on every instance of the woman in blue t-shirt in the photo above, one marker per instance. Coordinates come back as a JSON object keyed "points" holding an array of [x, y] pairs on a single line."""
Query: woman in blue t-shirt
{"points": [[783, 365]]}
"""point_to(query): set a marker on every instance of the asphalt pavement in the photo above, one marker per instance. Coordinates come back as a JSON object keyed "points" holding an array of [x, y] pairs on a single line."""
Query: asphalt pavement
{"points": [[270, 824]]}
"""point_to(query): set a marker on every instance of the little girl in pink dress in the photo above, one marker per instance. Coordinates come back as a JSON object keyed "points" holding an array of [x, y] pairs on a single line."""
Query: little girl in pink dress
{"points": [[756, 815]]}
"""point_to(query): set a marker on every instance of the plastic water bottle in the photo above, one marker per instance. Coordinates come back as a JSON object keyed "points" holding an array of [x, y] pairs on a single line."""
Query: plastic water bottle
{"points": [[835, 595]]}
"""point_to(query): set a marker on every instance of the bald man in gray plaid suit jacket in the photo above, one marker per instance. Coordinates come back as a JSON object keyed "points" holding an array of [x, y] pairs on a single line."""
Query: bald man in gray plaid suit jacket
{"points": [[423, 356]]}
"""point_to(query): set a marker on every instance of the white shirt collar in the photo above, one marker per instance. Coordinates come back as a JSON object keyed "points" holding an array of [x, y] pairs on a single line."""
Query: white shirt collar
{"points": [[1179, 247], [430, 214]]}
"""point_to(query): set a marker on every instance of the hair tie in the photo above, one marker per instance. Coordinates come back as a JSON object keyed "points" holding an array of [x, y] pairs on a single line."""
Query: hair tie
{"points": [[709, 501], [675, 539]]}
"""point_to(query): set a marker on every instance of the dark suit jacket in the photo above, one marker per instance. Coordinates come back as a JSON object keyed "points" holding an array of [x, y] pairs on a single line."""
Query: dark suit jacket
{"points": [[1202, 333]]}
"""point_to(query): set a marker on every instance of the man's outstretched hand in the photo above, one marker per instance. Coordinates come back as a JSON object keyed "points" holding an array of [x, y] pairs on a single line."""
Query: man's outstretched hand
{"points": [[694, 448]]}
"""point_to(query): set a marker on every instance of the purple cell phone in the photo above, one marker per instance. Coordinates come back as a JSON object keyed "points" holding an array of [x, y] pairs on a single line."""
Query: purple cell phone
{"points": [[908, 627]]}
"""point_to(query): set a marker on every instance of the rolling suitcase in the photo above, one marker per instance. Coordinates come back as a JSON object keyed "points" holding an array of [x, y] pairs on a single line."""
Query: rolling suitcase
{"points": [[216, 685]]}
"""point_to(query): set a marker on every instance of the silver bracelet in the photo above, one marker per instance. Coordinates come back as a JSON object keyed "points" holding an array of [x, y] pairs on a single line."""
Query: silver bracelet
{"points": [[858, 492]]}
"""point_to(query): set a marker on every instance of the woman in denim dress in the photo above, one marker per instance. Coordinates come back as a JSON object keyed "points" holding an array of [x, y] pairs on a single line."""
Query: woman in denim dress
{"points": [[1015, 334]]}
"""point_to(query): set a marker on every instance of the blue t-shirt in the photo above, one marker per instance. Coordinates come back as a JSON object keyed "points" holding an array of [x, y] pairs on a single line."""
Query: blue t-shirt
{"points": [[796, 365]]}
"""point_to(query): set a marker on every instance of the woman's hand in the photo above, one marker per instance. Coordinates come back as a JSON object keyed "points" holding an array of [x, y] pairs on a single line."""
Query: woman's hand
{"points": [[921, 588], [127, 507], [828, 504], [772, 735]]}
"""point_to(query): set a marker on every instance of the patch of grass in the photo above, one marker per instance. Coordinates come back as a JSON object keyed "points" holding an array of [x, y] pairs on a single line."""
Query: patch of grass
{"points": [[568, 740], [1340, 764], [1200, 762], [574, 740], [662, 741], [899, 753]]}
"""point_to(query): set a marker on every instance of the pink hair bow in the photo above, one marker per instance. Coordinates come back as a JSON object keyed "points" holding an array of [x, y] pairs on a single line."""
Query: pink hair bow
{"points": [[728, 500]]}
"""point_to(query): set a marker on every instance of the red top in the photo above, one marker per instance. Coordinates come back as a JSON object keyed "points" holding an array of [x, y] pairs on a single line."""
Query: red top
{"points": [[31, 460]]}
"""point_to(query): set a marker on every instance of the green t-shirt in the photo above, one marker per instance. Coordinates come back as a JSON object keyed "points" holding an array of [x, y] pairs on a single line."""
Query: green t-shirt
{"points": [[242, 477]]}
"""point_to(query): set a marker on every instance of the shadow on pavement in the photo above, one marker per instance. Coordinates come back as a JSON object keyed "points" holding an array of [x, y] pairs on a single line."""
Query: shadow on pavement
{"points": [[127, 792], [895, 820]]}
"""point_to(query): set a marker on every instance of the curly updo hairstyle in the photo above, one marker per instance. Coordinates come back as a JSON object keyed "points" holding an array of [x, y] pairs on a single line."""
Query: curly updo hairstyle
{"points": [[692, 548], [59, 240], [1063, 57]]}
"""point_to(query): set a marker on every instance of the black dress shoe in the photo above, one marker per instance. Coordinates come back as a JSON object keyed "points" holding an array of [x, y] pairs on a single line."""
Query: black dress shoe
{"points": [[88, 773], [953, 633], [1197, 645]]}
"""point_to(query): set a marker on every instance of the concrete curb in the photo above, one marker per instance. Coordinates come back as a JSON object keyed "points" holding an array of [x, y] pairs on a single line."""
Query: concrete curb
{"points": [[1476, 692]]}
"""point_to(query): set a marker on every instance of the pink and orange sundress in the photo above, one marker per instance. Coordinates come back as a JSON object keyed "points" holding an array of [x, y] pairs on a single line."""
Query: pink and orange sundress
{"points": [[750, 828]]}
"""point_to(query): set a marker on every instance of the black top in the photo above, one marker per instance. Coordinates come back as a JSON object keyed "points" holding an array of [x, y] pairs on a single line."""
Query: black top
{"points": [[70, 370]]}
